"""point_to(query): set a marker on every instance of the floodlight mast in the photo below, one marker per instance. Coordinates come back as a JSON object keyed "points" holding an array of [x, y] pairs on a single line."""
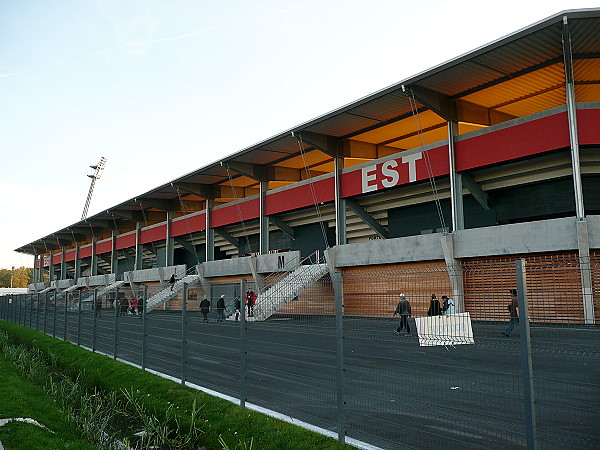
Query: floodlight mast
{"points": [[98, 168]]}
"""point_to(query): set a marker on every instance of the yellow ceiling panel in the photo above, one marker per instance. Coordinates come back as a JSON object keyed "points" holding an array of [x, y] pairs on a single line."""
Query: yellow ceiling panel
{"points": [[588, 92], [586, 69], [425, 138], [533, 104], [310, 158], [403, 127], [518, 87]]}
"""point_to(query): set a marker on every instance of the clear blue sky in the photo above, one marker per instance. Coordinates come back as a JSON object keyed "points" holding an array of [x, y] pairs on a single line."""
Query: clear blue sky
{"points": [[163, 88]]}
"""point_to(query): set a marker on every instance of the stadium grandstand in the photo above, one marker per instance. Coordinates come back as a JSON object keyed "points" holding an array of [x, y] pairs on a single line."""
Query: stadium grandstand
{"points": [[488, 157]]}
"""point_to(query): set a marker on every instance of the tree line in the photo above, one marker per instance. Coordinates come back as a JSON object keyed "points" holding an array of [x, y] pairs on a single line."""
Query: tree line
{"points": [[21, 277]]}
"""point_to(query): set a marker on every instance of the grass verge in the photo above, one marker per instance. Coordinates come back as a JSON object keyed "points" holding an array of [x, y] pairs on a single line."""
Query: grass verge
{"points": [[222, 424], [21, 398]]}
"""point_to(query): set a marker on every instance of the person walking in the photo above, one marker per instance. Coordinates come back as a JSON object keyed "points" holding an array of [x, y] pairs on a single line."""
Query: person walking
{"points": [[205, 308], [513, 309], [434, 306], [172, 281], [221, 309], [447, 305], [238, 305], [404, 310]]}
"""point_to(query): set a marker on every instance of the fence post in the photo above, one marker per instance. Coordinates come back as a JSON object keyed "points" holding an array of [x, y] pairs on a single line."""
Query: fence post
{"points": [[336, 277], [79, 317], [66, 334], [94, 299], [116, 330], [526, 364], [37, 312], [184, 334], [20, 297], [144, 327], [30, 309], [242, 345], [54, 314], [45, 311]]}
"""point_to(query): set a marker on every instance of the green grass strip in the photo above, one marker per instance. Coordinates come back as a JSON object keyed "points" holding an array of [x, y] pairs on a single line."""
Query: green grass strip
{"points": [[21, 398], [223, 424]]}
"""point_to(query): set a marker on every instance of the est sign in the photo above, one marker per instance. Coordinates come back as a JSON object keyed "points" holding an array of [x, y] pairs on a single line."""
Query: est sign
{"points": [[390, 173]]}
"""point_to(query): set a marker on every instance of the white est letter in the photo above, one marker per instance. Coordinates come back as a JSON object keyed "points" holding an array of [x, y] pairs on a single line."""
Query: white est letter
{"points": [[412, 167], [391, 176], [367, 176]]}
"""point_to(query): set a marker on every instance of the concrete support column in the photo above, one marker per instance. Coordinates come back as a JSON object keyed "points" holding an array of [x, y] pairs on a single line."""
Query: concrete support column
{"points": [[455, 273], [583, 242], [456, 197], [209, 232], [340, 203], [94, 258], [139, 250], [51, 267], [77, 261], [63, 265], [114, 259], [169, 242], [263, 220]]}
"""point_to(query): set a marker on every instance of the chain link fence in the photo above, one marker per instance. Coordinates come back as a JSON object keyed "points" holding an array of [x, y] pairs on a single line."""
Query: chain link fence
{"points": [[461, 368]]}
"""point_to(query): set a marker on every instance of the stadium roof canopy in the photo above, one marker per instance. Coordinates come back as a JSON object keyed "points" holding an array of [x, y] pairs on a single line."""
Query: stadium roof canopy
{"points": [[517, 75]]}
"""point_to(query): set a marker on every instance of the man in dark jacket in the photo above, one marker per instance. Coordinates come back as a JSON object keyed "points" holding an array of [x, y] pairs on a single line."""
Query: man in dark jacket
{"points": [[205, 308], [221, 309], [513, 309], [403, 309], [434, 306]]}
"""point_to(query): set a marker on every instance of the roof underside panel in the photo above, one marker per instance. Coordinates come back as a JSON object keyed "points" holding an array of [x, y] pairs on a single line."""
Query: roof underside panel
{"points": [[585, 35], [342, 125]]}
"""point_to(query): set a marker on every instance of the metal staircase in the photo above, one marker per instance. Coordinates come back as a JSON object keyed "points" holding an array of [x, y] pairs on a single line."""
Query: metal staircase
{"points": [[281, 293], [168, 293], [88, 299]]}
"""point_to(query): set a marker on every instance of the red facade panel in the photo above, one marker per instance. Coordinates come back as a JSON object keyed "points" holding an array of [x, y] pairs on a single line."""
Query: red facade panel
{"points": [[588, 127], [157, 233], [247, 210], [188, 225], [70, 255], [125, 241], [85, 252], [57, 259], [103, 247], [530, 138], [321, 191]]}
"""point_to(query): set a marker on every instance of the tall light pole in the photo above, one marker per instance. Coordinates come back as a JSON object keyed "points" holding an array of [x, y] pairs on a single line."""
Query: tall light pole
{"points": [[12, 272], [98, 168]]}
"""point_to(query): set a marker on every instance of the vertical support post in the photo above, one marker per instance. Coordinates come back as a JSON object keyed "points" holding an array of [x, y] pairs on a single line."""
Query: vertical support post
{"points": [[116, 328], [51, 267], [209, 232], [77, 263], [336, 278], [526, 360], [113, 253], [144, 337], [94, 299], [263, 220], [20, 297], [30, 309], [184, 334], [572, 115], [63, 264], [66, 322], [139, 250], [585, 269], [456, 197], [45, 311], [54, 314], [169, 242], [37, 312], [242, 345], [79, 316], [340, 203]]}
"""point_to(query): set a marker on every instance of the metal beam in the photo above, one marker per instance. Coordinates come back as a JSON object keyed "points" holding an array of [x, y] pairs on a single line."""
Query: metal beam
{"points": [[205, 191], [367, 218], [474, 188], [163, 205], [276, 220], [186, 245], [134, 216], [254, 171], [229, 238], [438, 103], [325, 143]]}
